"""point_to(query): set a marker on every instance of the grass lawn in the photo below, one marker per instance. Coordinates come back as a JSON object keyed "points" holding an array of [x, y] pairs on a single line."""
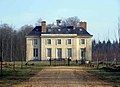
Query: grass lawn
{"points": [[18, 75], [110, 77]]}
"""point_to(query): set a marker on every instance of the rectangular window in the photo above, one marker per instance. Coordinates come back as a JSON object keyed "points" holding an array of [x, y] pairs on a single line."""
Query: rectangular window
{"points": [[59, 52], [49, 52], [59, 41], [35, 41], [35, 52], [82, 41], [83, 51], [69, 41], [48, 41], [69, 50]]}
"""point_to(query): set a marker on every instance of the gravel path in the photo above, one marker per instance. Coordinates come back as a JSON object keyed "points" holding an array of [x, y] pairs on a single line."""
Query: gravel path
{"points": [[63, 76]]}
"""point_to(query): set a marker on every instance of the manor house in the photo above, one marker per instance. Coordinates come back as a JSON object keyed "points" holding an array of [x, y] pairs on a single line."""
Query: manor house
{"points": [[58, 41]]}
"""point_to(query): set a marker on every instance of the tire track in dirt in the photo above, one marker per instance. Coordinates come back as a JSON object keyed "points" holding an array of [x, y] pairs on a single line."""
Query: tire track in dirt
{"points": [[63, 76]]}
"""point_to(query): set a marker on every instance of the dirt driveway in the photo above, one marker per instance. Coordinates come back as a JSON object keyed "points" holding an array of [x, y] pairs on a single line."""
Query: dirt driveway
{"points": [[63, 76]]}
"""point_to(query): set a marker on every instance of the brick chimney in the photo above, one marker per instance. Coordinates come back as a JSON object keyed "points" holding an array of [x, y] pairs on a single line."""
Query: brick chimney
{"points": [[83, 25], [43, 24]]}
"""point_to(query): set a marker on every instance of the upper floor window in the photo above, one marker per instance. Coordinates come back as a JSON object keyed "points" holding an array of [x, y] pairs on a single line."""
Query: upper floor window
{"points": [[35, 41], [69, 41], [59, 41], [48, 41], [82, 41]]}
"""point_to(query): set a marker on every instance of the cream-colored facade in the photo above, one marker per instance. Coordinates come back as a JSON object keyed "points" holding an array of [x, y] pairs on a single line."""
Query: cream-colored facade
{"points": [[58, 42], [43, 46], [30, 46]]}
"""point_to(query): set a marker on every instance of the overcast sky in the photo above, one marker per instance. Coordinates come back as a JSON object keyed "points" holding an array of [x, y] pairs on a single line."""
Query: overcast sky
{"points": [[100, 15]]}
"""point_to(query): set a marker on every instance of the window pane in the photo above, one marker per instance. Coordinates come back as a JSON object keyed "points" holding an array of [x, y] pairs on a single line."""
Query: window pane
{"points": [[48, 41], [69, 52], [83, 52], [49, 52], [35, 41], [69, 41], [59, 41], [82, 41], [59, 52], [35, 52]]}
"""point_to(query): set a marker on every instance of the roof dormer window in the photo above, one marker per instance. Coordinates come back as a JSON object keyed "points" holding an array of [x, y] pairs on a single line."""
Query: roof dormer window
{"points": [[80, 29], [68, 29], [37, 29], [49, 30], [59, 29]]}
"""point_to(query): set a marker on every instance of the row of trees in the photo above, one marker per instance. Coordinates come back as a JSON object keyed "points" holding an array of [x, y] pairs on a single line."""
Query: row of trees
{"points": [[12, 42], [106, 51]]}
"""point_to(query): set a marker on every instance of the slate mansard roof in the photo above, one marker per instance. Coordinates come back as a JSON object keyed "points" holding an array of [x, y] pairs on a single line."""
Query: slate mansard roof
{"points": [[59, 30]]}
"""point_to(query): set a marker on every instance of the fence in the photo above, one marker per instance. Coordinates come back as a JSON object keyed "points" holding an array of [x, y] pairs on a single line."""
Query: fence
{"points": [[64, 62]]}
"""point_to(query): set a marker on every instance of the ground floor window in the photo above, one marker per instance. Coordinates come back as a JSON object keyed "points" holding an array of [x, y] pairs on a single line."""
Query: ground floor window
{"points": [[83, 53], [59, 52], [49, 53], [35, 52], [69, 51]]}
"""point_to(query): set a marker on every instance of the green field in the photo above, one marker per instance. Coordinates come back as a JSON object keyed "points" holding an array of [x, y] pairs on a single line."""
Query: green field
{"points": [[107, 76], [11, 76]]}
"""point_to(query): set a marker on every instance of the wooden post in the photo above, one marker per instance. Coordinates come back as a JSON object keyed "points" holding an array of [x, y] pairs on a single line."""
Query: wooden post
{"points": [[68, 61], [1, 64]]}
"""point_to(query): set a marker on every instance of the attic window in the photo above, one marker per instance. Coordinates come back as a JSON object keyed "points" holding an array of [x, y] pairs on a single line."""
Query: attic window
{"points": [[68, 29], [59, 29], [37, 29], [80, 29]]}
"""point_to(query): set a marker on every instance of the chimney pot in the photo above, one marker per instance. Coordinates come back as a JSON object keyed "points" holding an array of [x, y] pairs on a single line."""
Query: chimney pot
{"points": [[83, 25]]}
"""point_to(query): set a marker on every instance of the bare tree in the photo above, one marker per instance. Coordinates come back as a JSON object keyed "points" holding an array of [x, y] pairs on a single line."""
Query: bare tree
{"points": [[38, 22], [119, 29], [71, 21], [1, 50]]}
